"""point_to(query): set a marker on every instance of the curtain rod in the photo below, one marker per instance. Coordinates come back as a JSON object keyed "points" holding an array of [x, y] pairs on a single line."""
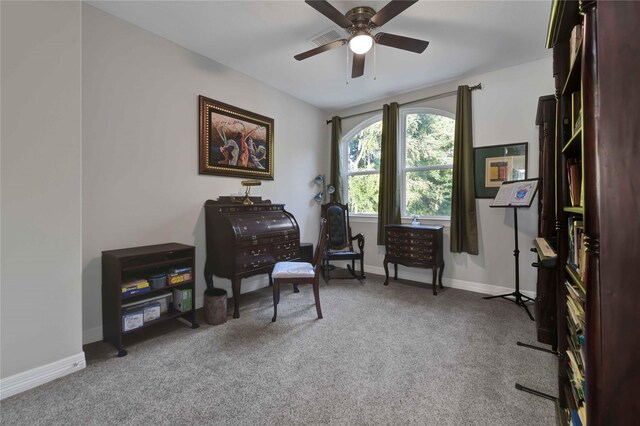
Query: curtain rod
{"points": [[428, 98]]}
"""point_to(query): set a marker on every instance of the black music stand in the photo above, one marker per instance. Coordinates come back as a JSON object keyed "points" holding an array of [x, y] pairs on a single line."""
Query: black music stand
{"points": [[516, 194]]}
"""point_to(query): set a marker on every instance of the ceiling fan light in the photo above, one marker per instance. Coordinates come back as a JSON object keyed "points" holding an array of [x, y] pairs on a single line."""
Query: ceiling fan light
{"points": [[361, 43]]}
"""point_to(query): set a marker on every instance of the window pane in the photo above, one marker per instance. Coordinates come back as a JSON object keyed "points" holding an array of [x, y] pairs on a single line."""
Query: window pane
{"points": [[363, 193], [429, 193], [364, 149], [429, 140]]}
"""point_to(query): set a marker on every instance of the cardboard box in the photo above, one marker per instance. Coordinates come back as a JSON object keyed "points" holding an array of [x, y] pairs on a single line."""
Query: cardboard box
{"points": [[132, 319], [134, 287], [179, 275], [182, 300], [151, 311]]}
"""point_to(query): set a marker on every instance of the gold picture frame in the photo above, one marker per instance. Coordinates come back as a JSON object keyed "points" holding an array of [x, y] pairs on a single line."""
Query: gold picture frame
{"points": [[234, 142]]}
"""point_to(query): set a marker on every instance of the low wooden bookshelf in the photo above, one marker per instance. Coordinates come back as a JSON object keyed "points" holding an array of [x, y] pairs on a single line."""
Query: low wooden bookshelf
{"points": [[122, 265]]}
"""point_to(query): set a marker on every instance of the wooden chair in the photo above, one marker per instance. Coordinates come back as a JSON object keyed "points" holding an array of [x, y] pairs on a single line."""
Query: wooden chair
{"points": [[300, 273], [340, 243]]}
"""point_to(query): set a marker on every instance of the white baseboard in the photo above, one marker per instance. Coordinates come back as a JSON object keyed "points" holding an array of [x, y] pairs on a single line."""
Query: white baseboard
{"points": [[453, 283], [26, 380]]}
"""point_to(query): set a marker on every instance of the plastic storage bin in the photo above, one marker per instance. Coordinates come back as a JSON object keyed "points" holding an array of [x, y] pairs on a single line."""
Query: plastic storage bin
{"points": [[158, 280]]}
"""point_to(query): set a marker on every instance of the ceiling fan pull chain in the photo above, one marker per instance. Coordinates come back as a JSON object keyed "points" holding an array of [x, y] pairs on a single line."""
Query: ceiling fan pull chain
{"points": [[347, 79], [374, 60]]}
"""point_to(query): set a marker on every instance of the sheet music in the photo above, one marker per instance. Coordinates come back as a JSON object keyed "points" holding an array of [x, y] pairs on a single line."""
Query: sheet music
{"points": [[516, 193]]}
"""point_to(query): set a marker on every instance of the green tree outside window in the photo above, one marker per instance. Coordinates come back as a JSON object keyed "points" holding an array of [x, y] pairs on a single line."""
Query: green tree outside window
{"points": [[427, 165]]}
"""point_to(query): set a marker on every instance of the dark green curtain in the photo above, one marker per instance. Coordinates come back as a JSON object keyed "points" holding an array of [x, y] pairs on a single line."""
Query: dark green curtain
{"points": [[335, 179], [464, 227], [389, 196]]}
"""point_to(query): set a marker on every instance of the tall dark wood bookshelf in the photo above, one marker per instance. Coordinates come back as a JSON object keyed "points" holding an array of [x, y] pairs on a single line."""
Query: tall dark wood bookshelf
{"points": [[597, 177]]}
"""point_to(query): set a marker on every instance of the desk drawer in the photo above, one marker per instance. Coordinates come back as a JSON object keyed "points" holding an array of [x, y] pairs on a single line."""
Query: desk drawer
{"points": [[259, 240], [286, 245], [287, 255], [253, 251], [249, 263]]}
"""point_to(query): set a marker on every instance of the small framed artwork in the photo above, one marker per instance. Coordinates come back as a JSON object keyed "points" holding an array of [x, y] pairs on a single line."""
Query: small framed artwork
{"points": [[234, 142], [496, 164]]}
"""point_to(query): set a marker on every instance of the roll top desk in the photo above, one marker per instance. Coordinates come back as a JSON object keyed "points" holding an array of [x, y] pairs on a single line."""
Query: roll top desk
{"points": [[246, 240]]}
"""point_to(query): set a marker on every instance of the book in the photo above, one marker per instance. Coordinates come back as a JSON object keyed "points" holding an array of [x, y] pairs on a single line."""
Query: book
{"points": [[134, 284], [575, 329], [578, 122], [578, 238], [576, 252], [578, 377], [576, 317], [576, 110], [582, 413], [574, 177], [574, 43], [131, 288], [575, 292], [135, 291], [575, 418]]}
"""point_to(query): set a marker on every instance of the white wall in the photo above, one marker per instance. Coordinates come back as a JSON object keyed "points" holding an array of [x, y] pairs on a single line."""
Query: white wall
{"points": [[41, 191], [140, 156], [504, 112]]}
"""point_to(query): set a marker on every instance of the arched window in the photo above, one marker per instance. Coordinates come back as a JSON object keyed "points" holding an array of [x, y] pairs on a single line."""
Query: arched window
{"points": [[426, 163]]}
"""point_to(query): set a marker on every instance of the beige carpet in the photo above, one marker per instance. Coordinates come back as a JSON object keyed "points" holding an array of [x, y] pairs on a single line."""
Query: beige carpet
{"points": [[381, 355]]}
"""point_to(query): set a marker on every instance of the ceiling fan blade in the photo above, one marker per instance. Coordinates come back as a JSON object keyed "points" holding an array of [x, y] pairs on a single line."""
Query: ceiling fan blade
{"points": [[401, 42], [330, 12], [320, 49], [358, 65], [390, 11]]}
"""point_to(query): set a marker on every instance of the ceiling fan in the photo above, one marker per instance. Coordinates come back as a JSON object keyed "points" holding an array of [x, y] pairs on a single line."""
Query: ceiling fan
{"points": [[360, 21]]}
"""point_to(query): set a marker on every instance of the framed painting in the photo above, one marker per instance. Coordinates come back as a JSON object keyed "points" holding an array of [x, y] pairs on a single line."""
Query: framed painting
{"points": [[496, 164], [234, 142]]}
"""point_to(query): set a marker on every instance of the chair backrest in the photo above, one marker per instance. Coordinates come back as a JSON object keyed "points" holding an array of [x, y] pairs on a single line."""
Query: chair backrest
{"points": [[322, 240], [337, 216]]}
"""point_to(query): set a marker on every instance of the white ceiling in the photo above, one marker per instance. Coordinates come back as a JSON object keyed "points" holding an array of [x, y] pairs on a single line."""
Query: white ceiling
{"points": [[260, 38]]}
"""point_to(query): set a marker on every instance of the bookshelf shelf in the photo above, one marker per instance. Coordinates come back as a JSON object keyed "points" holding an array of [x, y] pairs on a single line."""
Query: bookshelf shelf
{"points": [[574, 146], [142, 296], [574, 210], [158, 264], [169, 315]]}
